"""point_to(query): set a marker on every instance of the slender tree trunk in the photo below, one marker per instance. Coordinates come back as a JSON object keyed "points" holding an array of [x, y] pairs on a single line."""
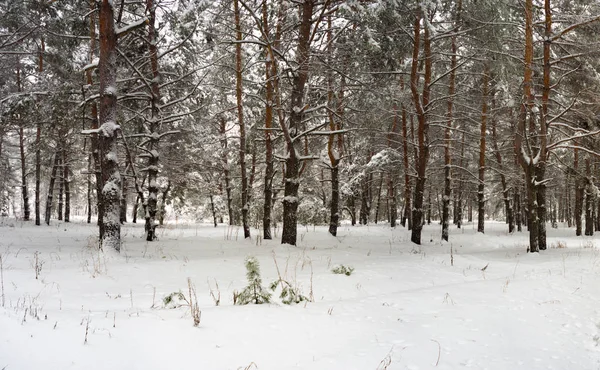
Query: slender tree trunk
{"points": [[123, 213], [579, 192], [378, 206], [407, 215], [482, 142], [226, 176], [447, 142], [24, 190], [51, 188], [67, 186], [61, 189], [89, 191], [212, 209], [240, 113], [111, 191], [589, 202], [163, 203], [38, 172]]}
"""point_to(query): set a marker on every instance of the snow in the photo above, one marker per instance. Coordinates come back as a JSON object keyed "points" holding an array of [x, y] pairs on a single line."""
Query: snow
{"points": [[403, 303]]}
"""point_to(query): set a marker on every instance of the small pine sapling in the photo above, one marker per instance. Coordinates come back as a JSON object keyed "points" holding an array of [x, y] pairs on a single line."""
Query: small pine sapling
{"points": [[254, 291]]}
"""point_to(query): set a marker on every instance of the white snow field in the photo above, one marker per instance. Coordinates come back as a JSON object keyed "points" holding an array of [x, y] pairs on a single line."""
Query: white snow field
{"points": [[403, 307]]}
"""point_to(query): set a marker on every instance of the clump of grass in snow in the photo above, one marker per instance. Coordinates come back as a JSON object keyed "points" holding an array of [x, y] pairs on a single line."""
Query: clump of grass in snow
{"points": [[342, 270]]}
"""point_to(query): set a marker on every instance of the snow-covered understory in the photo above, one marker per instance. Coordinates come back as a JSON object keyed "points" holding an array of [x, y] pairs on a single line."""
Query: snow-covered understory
{"points": [[403, 307]]}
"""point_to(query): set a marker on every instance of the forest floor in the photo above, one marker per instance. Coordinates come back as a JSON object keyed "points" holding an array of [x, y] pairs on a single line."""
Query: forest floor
{"points": [[486, 305]]}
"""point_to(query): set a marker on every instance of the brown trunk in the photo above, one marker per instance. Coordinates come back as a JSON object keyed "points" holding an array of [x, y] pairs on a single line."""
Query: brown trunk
{"points": [[579, 192], [589, 199], [421, 102], [270, 101]]}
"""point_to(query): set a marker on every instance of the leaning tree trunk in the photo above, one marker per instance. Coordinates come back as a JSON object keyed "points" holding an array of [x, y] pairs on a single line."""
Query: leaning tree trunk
{"points": [[111, 191]]}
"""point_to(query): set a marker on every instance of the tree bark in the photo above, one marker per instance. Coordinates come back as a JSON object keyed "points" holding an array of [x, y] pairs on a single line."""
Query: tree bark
{"points": [[49, 200], [482, 142], [111, 191], [24, 190], [67, 185], [292, 162], [421, 102], [240, 114]]}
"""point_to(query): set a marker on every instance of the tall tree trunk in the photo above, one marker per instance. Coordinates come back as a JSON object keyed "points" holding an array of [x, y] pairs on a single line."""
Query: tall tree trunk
{"points": [[589, 199], [24, 190], [111, 191], [421, 102], [61, 189], [163, 203], [482, 142], [378, 205], [123, 212], [66, 185], [89, 191], [51, 188], [226, 175], [292, 162], [407, 215], [450, 117], [240, 113], [212, 209], [579, 192]]}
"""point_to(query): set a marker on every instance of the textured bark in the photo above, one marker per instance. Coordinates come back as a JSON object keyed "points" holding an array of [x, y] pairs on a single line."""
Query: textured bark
{"points": [[482, 145], [95, 143], [240, 114], [38, 144], [292, 162], [123, 209], [450, 117], [270, 101], [212, 209], [155, 120], [378, 205], [111, 191], [421, 103]]}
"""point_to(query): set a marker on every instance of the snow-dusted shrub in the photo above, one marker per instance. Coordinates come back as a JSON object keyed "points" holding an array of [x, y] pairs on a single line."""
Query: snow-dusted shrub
{"points": [[175, 300], [254, 291], [289, 294], [342, 270]]}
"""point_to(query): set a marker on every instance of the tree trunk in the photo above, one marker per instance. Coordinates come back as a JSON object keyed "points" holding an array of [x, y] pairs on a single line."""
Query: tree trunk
{"points": [[38, 172], [421, 102], [111, 191], [123, 213], [212, 209], [589, 199], [240, 113], [163, 204], [61, 189], [482, 142], [51, 188], [378, 205], [24, 190], [223, 132], [67, 186], [292, 162]]}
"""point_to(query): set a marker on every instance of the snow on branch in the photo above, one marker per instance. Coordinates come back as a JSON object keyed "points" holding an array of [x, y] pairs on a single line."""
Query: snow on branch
{"points": [[131, 27]]}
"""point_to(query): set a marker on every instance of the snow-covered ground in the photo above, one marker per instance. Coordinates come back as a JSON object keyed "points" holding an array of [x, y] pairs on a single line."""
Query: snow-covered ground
{"points": [[403, 307]]}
